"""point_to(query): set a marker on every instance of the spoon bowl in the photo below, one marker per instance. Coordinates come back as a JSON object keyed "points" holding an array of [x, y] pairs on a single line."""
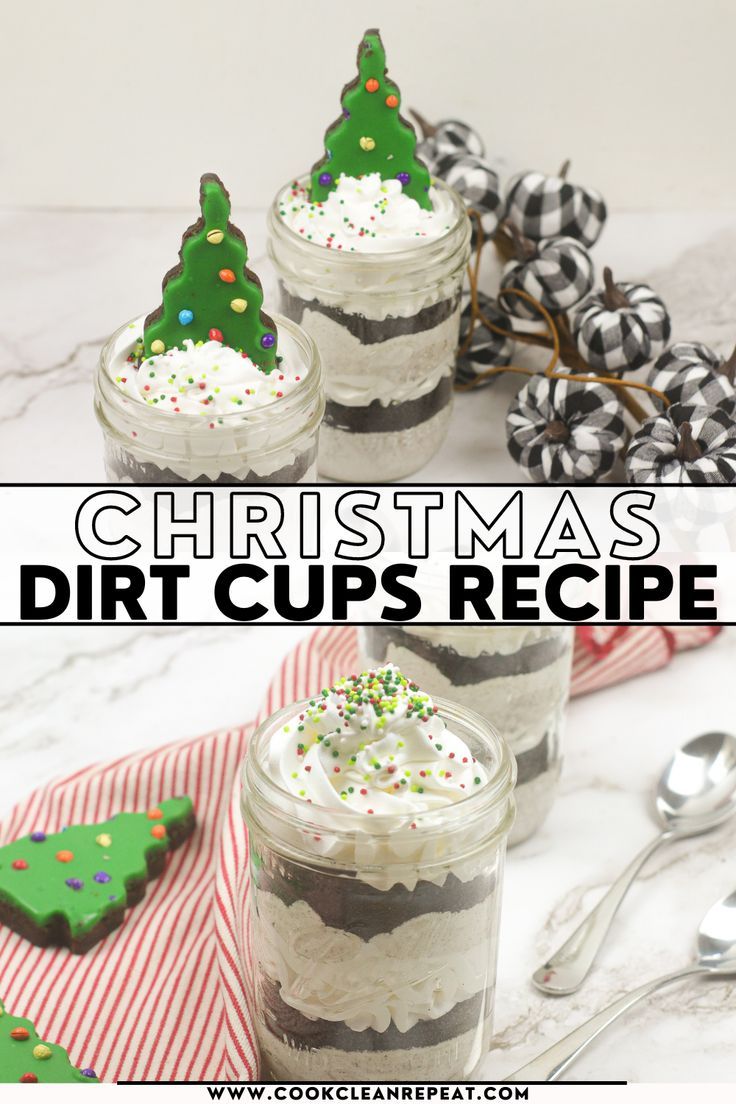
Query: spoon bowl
{"points": [[697, 790], [717, 937]]}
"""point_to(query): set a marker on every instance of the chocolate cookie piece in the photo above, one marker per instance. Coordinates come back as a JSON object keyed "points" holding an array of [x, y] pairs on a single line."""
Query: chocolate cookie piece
{"points": [[27, 1059], [300, 1031], [129, 470], [370, 331], [462, 670], [72, 888], [348, 903], [397, 416]]}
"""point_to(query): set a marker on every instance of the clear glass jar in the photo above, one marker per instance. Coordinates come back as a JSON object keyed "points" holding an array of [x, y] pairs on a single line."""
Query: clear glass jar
{"points": [[387, 326], [374, 939], [276, 443], [518, 676]]}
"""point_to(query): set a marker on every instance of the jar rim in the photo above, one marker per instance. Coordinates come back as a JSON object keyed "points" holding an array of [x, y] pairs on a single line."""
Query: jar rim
{"points": [[183, 424], [345, 822], [405, 257]]}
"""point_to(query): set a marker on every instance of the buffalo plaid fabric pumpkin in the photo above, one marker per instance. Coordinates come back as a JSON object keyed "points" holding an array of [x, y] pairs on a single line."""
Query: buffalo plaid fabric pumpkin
{"points": [[450, 138], [622, 327], [551, 207], [557, 272], [487, 349], [565, 431], [689, 372], [688, 443]]}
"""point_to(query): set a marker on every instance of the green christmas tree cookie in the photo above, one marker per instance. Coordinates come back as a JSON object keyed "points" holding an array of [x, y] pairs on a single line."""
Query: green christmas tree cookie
{"points": [[71, 888], [26, 1058], [370, 135], [212, 295]]}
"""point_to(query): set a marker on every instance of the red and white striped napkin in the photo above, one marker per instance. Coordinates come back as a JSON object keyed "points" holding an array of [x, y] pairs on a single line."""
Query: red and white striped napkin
{"points": [[167, 997]]}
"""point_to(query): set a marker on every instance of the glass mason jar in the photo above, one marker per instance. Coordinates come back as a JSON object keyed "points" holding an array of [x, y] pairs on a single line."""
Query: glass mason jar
{"points": [[375, 937], [276, 443], [516, 676], [387, 327]]}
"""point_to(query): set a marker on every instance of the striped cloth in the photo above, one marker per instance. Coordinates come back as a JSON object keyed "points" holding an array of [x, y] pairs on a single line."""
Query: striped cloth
{"points": [[168, 995]]}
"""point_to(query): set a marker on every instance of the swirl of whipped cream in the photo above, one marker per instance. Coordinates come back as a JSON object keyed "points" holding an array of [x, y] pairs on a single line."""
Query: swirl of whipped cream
{"points": [[208, 379], [365, 214], [374, 743]]}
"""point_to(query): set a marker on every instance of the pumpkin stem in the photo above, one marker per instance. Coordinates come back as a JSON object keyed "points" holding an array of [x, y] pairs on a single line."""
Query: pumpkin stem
{"points": [[728, 368], [688, 448], [557, 431], [613, 297], [564, 169], [524, 249], [428, 129]]}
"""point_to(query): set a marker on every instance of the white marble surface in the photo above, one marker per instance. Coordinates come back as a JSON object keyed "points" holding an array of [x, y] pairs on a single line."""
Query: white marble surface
{"points": [[70, 278], [69, 696]]}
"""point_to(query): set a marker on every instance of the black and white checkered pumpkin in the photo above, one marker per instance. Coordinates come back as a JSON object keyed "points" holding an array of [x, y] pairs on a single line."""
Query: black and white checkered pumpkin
{"points": [[690, 372], [622, 327], [565, 431], [476, 183], [450, 138], [557, 272], [487, 349], [688, 443], [551, 207]]}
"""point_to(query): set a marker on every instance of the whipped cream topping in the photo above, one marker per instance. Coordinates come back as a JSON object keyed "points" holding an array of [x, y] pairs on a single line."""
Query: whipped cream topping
{"points": [[206, 379], [365, 215], [374, 743]]}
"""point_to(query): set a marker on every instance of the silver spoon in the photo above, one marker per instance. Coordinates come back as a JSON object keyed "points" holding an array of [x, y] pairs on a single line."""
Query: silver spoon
{"points": [[697, 792], [716, 956]]}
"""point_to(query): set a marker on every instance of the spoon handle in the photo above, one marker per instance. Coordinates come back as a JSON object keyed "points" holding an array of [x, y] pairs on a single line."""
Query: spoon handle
{"points": [[550, 1065], [565, 971]]}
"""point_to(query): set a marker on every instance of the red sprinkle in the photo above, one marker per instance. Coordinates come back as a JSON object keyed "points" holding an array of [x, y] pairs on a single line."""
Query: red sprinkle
{"points": [[19, 864], [20, 1034], [364, 793], [158, 831], [28, 1079]]}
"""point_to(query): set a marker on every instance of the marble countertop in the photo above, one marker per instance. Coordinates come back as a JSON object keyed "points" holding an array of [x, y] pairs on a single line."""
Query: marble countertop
{"points": [[70, 278], [70, 696]]}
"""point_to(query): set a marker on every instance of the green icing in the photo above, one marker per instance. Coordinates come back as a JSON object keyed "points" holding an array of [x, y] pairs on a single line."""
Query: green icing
{"points": [[17, 1058], [367, 115], [41, 891], [195, 285]]}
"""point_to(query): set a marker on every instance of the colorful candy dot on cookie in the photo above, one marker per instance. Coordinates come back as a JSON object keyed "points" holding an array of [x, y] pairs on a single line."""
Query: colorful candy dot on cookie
{"points": [[205, 281], [565, 431], [28, 1079], [157, 347], [154, 813], [64, 856], [551, 207], [368, 138], [688, 443], [89, 1073], [38, 837], [186, 317], [42, 1053], [622, 327], [19, 864], [690, 372], [76, 907], [557, 272], [238, 305], [268, 341], [20, 1034]]}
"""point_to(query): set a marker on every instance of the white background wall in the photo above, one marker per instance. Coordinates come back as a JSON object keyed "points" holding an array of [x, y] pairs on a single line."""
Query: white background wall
{"points": [[125, 102]]}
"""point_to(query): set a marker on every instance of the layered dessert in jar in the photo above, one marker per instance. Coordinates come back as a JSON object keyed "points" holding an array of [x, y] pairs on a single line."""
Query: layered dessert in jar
{"points": [[208, 388], [370, 254], [516, 676], [377, 824]]}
